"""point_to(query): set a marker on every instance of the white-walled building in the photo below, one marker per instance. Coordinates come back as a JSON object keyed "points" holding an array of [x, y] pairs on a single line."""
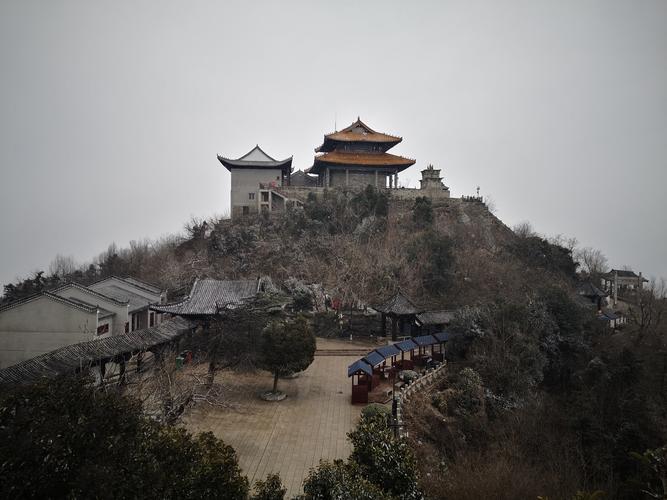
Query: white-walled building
{"points": [[256, 182], [138, 295], [44, 322], [75, 313], [116, 323]]}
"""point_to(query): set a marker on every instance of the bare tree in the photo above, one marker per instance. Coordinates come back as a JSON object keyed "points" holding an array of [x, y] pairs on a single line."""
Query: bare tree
{"points": [[592, 261], [62, 265], [651, 310], [524, 230]]}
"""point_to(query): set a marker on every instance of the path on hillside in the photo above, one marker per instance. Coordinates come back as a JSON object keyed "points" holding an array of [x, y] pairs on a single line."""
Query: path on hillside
{"points": [[291, 436]]}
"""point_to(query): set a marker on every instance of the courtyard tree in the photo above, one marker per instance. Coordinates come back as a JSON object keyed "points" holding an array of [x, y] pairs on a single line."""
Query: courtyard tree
{"points": [[383, 459], [287, 347], [234, 334]]}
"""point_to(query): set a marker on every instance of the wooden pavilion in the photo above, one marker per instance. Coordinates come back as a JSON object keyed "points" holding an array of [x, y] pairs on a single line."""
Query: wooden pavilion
{"points": [[402, 313]]}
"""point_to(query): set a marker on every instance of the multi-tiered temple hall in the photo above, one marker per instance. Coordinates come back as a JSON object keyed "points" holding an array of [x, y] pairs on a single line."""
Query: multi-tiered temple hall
{"points": [[357, 156]]}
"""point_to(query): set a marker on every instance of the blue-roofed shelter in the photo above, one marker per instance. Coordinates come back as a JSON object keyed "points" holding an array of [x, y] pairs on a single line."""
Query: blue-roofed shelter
{"points": [[358, 367], [362, 380], [374, 358]]}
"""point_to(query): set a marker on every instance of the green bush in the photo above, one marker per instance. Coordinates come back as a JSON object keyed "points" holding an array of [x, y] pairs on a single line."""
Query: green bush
{"points": [[271, 489], [63, 439], [373, 409]]}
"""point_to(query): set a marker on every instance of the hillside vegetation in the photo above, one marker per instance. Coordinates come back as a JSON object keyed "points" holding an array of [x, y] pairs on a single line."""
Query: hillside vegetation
{"points": [[541, 399]]}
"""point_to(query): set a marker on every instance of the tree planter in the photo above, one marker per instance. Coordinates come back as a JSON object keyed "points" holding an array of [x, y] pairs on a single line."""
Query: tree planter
{"points": [[273, 396]]}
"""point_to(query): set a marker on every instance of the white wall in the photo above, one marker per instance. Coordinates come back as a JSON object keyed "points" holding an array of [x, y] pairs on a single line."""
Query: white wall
{"points": [[246, 181], [42, 325], [116, 322]]}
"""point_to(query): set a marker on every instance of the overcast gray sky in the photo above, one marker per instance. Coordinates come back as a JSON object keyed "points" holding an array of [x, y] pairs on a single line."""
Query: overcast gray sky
{"points": [[112, 113]]}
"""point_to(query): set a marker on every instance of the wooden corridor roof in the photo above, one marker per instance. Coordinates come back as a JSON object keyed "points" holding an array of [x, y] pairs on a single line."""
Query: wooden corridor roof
{"points": [[67, 359]]}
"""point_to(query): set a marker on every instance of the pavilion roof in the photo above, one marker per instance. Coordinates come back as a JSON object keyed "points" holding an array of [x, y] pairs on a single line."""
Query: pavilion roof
{"points": [[387, 351], [359, 366], [406, 345], [399, 305], [208, 296], [373, 358], [443, 336], [425, 340], [255, 158], [357, 132]]}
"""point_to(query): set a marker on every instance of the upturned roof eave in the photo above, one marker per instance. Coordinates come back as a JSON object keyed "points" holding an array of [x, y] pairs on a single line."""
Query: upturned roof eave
{"points": [[229, 163]]}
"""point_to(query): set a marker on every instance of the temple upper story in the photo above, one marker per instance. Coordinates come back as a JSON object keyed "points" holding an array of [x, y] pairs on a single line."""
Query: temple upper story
{"points": [[357, 156]]}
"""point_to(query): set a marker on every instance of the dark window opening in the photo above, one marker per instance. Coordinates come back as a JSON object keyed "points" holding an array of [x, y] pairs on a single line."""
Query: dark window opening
{"points": [[103, 329]]}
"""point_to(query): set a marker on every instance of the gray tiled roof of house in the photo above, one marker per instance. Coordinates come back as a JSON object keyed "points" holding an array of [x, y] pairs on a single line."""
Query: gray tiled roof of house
{"points": [[208, 296], [142, 284], [588, 289], [435, 317], [110, 289], [399, 304], [90, 291], [67, 359]]}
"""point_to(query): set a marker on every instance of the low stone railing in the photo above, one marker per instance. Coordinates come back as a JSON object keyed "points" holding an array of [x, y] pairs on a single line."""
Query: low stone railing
{"points": [[426, 381]]}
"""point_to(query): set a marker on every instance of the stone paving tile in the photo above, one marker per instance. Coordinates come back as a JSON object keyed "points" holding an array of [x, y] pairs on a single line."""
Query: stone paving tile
{"points": [[291, 436]]}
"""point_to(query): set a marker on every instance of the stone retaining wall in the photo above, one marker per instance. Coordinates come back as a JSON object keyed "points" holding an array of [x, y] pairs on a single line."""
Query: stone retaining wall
{"points": [[425, 382]]}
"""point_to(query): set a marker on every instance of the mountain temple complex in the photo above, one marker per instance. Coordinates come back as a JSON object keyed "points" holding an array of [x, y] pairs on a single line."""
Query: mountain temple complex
{"points": [[352, 158]]}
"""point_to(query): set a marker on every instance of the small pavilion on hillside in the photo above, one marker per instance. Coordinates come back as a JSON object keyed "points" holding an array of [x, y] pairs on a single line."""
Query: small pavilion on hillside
{"points": [[402, 313]]}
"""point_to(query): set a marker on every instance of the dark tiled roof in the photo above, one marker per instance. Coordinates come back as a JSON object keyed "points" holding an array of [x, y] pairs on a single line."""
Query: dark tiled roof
{"points": [[89, 291], [588, 289], [110, 289], [68, 359], [373, 358], [435, 317], [359, 366], [255, 158], [406, 345], [425, 340], [387, 351], [208, 296], [103, 313], [443, 336], [399, 304], [143, 284], [300, 178]]}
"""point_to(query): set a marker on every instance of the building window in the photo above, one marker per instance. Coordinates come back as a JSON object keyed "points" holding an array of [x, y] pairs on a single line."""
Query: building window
{"points": [[278, 178], [251, 196], [152, 320], [246, 210], [265, 196], [102, 329], [127, 327]]}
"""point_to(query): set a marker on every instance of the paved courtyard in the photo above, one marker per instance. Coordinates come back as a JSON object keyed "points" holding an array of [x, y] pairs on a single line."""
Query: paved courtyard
{"points": [[293, 435]]}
